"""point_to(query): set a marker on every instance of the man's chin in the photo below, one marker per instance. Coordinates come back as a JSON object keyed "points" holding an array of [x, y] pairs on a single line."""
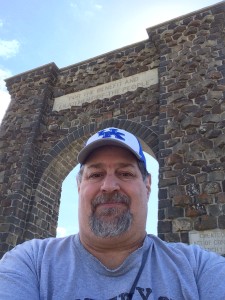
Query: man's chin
{"points": [[110, 224], [115, 211]]}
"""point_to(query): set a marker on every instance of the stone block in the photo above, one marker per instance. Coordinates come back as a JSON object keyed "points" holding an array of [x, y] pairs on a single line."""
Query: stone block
{"points": [[164, 226], [194, 157], [4, 227], [172, 237], [192, 170], [205, 222], [181, 200], [167, 182], [172, 159], [185, 179], [169, 174], [210, 118], [193, 189], [190, 122], [220, 141], [194, 210], [216, 176], [203, 198], [214, 134], [184, 237], [221, 222], [164, 203], [212, 188], [220, 198], [163, 193], [194, 137], [11, 239], [161, 214], [175, 190], [172, 126], [214, 210], [174, 212], [201, 144], [182, 224]]}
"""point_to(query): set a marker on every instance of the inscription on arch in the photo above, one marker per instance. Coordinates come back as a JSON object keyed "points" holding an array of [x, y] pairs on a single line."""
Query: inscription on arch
{"points": [[107, 90], [212, 240]]}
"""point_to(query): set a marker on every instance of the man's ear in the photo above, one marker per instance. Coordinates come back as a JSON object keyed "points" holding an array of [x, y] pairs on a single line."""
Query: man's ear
{"points": [[148, 182], [78, 184]]}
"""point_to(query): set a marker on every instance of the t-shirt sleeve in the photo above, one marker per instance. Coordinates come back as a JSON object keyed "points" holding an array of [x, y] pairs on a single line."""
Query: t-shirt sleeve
{"points": [[18, 275], [208, 269], [210, 275]]}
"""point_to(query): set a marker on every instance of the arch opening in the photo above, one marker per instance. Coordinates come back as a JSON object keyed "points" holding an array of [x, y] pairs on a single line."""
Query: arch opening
{"points": [[68, 212]]}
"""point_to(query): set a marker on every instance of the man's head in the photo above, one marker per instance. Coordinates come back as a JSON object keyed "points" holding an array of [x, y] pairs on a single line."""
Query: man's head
{"points": [[114, 137], [113, 184]]}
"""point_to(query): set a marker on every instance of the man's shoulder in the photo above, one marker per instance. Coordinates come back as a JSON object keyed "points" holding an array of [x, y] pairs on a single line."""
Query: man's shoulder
{"points": [[190, 251], [37, 247], [172, 247]]}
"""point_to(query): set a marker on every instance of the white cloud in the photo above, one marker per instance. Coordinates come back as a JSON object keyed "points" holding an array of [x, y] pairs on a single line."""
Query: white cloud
{"points": [[98, 6], [9, 48], [73, 5], [85, 11]]}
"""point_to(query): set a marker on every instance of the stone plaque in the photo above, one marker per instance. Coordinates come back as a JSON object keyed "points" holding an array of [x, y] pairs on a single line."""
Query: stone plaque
{"points": [[107, 90], [213, 240]]}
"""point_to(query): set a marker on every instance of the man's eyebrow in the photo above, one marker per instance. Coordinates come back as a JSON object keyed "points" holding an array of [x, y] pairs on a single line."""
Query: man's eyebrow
{"points": [[95, 166], [118, 165]]}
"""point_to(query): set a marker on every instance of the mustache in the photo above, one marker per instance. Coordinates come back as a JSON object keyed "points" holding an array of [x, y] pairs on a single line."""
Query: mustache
{"points": [[110, 198]]}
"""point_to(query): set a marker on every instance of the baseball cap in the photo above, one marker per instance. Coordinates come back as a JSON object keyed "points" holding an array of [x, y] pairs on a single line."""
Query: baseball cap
{"points": [[114, 137]]}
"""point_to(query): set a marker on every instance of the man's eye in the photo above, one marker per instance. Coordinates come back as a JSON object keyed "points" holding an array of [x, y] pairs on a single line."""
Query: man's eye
{"points": [[126, 174], [95, 175]]}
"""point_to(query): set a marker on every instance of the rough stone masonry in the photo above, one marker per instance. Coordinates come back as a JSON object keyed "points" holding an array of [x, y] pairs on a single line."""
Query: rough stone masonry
{"points": [[180, 117]]}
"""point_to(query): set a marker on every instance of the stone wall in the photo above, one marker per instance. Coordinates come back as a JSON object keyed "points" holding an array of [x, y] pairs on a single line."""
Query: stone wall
{"points": [[181, 119], [191, 122]]}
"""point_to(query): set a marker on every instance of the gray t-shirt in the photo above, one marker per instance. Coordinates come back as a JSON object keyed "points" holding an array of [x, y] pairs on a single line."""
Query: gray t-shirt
{"points": [[62, 269]]}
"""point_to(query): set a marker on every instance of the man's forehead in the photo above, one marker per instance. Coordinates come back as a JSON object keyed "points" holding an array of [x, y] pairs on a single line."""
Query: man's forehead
{"points": [[115, 152]]}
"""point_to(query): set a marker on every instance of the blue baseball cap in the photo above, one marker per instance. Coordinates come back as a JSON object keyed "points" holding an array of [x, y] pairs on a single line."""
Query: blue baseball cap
{"points": [[114, 137]]}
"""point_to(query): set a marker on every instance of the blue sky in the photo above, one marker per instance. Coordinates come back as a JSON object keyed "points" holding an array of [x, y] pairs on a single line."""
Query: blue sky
{"points": [[38, 32]]}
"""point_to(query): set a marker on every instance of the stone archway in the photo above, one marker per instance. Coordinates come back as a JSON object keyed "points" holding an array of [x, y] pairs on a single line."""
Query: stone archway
{"points": [[168, 90], [61, 159]]}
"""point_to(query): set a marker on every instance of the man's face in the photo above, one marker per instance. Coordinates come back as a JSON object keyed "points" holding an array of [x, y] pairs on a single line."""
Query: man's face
{"points": [[112, 194]]}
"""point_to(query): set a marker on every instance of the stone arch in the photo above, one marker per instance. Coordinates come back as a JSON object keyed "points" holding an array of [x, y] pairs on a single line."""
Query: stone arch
{"points": [[170, 85], [57, 164]]}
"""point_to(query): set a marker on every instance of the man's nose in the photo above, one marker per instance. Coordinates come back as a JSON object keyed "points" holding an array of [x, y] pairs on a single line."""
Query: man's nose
{"points": [[110, 184]]}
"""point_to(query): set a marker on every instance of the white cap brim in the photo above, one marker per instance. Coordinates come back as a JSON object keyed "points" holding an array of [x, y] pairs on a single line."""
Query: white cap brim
{"points": [[87, 150]]}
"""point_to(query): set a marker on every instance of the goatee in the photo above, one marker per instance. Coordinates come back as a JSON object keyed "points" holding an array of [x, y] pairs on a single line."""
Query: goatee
{"points": [[112, 221]]}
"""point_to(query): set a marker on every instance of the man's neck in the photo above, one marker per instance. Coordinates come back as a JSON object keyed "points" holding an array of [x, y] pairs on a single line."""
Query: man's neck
{"points": [[111, 252]]}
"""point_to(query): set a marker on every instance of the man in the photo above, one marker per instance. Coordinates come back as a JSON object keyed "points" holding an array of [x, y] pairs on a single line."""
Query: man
{"points": [[112, 257]]}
